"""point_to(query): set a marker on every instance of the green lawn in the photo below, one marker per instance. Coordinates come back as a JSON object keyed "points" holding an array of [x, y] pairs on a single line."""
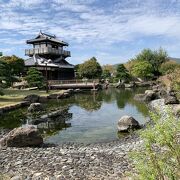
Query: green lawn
{"points": [[15, 96]]}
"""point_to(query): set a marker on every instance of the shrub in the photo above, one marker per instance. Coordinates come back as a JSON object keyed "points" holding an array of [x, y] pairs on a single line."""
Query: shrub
{"points": [[35, 78], [122, 73], [90, 69], [142, 69], [160, 157], [168, 67]]}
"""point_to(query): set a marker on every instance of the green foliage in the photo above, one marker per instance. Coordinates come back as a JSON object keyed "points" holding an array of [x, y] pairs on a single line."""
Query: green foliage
{"points": [[142, 69], [168, 67], [155, 58], [159, 157], [35, 78], [5, 75], [12, 66], [122, 72], [16, 64], [106, 74], [130, 64], [90, 69]]}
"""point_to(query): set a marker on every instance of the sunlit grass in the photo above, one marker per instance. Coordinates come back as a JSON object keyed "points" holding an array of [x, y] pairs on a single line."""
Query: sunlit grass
{"points": [[12, 97]]}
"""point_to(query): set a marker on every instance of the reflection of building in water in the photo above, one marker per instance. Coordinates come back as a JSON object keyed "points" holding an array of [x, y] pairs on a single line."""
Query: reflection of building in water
{"points": [[51, 127], [53, 124]]}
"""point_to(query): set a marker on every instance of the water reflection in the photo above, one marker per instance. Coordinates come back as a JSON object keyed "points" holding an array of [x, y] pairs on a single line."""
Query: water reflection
{"points": [[88, 116]]}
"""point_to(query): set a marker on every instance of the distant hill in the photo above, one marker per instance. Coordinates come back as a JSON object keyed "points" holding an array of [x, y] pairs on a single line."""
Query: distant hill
{"points": [[175, 59]]}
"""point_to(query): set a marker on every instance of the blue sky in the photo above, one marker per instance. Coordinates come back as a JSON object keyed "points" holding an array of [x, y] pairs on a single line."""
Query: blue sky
{"points": [[111, 30]]}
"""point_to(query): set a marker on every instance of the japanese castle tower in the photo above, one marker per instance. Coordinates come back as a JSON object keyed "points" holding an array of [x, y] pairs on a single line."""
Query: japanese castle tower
{"points": [[48, 53]]}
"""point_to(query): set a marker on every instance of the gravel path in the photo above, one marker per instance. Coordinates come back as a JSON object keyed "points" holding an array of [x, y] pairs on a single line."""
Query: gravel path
{"points": [[69, 161]]}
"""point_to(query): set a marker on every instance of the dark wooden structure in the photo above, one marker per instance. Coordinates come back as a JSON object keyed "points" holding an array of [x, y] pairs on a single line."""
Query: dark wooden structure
{"points": [[49, 57]]}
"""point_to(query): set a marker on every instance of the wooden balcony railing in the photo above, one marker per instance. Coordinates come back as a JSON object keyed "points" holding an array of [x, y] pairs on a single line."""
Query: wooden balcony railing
{"points": [[74, 81], [47, 50]]}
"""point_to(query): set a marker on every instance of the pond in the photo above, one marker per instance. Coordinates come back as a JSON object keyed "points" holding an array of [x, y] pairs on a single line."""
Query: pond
{"points": [[89, 117]]}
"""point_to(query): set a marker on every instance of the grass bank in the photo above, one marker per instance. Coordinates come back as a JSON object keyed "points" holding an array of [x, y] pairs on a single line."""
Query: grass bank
{"points": [[12, 96]]}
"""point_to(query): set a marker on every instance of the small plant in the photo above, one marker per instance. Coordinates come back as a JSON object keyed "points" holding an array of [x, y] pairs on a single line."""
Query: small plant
{"points": [[159, 158]]}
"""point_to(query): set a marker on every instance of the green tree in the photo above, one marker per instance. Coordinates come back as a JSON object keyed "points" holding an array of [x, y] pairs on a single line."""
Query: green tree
{"points": [[142, 69], [122, 73], [106, 74], [5, 75], [15, 63], [159, 157], [129, 65], [90, 69], [2, 76], [161, 56], [35, 78], [155, 58]]}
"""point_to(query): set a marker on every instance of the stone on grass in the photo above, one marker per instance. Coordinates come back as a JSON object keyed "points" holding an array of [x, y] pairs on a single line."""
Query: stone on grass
{"points": [[43, 99], [34, 107], [127, 123], [52, 96], [32, 98], [22, 137]]}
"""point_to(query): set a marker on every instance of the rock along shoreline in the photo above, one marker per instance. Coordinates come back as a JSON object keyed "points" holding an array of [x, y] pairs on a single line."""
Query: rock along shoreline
{"points": [[69, 161]]}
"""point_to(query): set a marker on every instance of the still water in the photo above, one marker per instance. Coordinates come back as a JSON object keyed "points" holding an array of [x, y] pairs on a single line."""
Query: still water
{"points": [[89, 116]]}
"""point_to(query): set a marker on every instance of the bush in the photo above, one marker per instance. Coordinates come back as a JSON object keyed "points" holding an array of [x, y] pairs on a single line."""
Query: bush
{"points": [[122, 73], [90, 69], [35, 78], [142, 69], [168, 67], [160, 157]]}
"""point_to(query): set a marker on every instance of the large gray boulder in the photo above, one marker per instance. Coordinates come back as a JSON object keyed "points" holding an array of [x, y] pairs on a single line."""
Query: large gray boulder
{"points": [[32, 98], [127, 123], [34, 107], [22, 137], [148, 96]]}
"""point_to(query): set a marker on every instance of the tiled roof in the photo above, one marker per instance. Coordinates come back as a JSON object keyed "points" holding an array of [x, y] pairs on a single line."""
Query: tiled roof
{"points": [[40, 61], [46, 37]]}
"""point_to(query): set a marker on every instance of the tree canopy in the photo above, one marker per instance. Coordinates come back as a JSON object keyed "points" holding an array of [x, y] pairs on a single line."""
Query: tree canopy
{"points": [[35, 78], [142, 69], [155, 58], [90, 69], [3, 75], [6, 77], [122, 72], [16, 64]]}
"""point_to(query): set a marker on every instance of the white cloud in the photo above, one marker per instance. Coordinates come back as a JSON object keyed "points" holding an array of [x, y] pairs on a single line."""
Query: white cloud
{"points": [[91, 26]]}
